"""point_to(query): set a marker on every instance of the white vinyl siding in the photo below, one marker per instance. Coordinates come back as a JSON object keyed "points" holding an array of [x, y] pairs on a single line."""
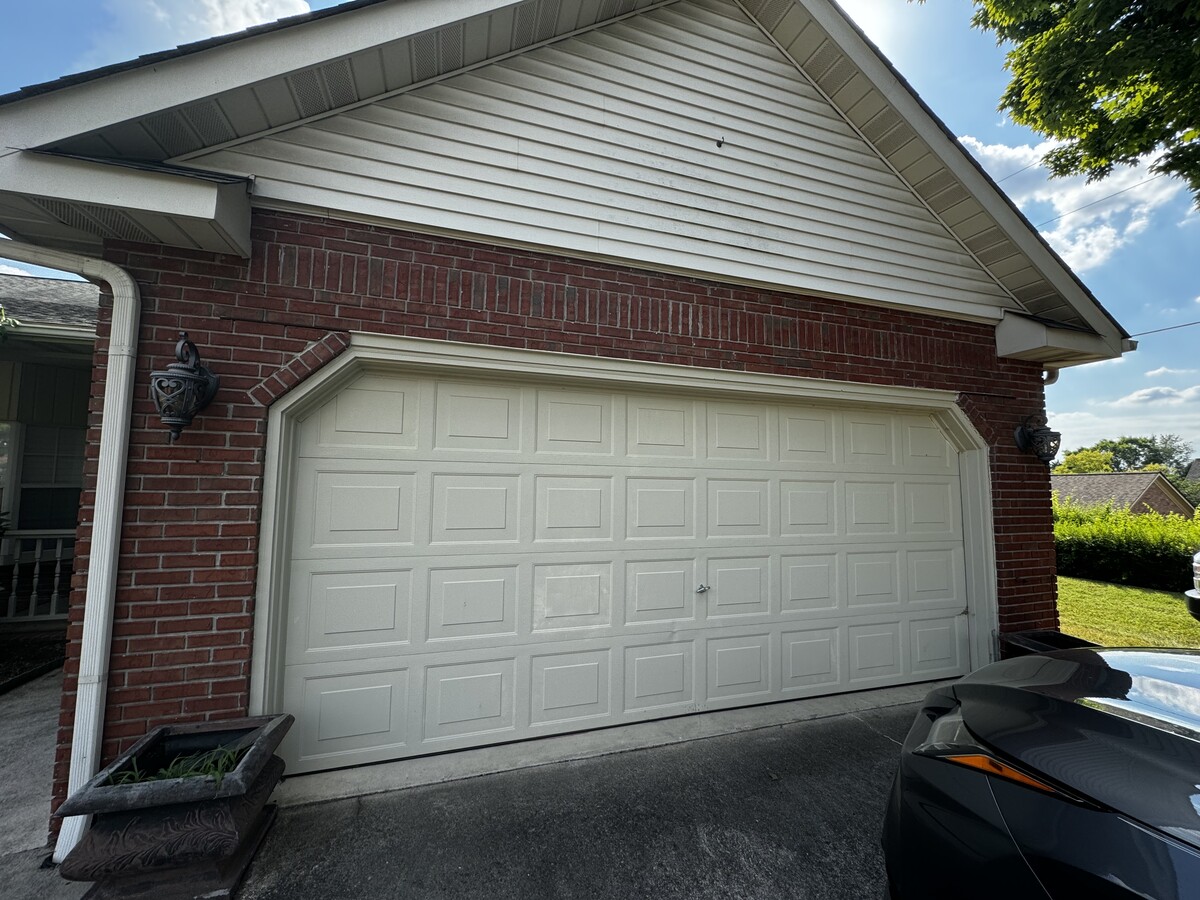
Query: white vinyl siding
{"points": [[680, 139]]}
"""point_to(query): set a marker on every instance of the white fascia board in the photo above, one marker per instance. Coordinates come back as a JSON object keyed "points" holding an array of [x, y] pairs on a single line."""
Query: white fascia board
{"points": [[79, 334], [955, 158], [1019, 337], [76, 109], [226, 207]]}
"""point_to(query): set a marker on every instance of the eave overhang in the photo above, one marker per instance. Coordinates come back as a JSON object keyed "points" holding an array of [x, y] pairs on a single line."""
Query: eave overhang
{"points": [[1051, 344], [72, 203]]}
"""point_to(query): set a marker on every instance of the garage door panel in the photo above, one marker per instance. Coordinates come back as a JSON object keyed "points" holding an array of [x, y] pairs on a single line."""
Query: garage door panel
{"points": [[661, 507], [874, 652], [471, 416], [871, 508], [932, 509], [738, 586], [809, 508], [576, 423], [738, 431], [469, 699], [349, 611], [360, 714], [661, 427], [936, 646], [569, 687], [810, 583], [869, 440], [924, 448], [573, 508], [873, 579], [570, 597], [738, 508], [538, 561], [370, 416], [740, 668], [812, 658], [807, 438], [936, 577], [660, 677], [476, 509], [348, 509], [473, 602], [661, 590]]}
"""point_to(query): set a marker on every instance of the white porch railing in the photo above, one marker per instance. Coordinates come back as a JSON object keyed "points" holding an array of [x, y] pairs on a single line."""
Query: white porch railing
{"points": [[35, 575]]}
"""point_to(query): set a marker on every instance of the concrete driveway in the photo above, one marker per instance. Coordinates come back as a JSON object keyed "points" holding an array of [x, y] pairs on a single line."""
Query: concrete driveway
{"points": [[783, 801], [772, 810]]}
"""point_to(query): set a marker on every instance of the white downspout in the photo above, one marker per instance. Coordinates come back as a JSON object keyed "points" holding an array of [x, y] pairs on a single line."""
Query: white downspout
{"points": [[100, 596]]}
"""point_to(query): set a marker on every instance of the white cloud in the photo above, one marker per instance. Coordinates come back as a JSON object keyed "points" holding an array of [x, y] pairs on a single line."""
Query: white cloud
{"points": [[1159, 396], [146, 26], [1082, 428], [1163, 370], [1085, 223], [6, 269]]}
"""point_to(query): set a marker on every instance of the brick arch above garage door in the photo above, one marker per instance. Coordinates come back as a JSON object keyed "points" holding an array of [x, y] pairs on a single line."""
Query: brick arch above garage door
{"points": [[466, 550]]}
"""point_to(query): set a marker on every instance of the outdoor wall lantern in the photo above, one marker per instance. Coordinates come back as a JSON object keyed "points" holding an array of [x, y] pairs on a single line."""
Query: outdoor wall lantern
{"points": [[185, 388], [1033, 436]]}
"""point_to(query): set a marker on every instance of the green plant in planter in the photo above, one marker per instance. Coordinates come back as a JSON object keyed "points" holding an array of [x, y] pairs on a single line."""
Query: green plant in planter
{"points": [[215, 763]]}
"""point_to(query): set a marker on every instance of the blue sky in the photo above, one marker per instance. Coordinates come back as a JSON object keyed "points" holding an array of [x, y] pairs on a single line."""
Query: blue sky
{"points": [[1133, 239]]}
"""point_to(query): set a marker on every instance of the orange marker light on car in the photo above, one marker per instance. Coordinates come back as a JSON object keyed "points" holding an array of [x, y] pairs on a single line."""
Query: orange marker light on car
{"points": [[994, 767]]}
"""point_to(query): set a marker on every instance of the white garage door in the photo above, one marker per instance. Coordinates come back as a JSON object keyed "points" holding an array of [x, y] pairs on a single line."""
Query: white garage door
{"points": [[474, 562]]}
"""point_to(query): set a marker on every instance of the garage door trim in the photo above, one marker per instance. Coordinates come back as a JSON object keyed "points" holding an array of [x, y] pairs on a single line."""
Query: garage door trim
{"points": [[386, 354]]}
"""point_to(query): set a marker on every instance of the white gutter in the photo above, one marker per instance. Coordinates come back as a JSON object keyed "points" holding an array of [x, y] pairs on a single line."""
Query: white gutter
{"points": [[100, 597]]}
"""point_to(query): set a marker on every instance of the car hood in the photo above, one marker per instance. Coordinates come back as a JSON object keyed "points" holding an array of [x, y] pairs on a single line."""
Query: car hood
{"points": [[1120, 726]]}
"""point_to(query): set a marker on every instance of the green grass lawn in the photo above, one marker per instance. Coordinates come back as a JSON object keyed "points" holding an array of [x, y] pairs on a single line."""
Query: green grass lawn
{"points": [[1118, 616]]}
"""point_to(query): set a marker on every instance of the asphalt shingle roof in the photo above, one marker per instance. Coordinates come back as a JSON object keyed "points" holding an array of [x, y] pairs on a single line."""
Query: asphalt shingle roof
{"points": [[49, 301], [1122, 488]]}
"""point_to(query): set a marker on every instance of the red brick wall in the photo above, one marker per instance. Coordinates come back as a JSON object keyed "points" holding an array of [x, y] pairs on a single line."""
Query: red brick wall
{"points": [[181, 637]]}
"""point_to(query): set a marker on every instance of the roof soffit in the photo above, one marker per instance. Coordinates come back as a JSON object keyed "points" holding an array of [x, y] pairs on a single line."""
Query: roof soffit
{"points": [[258, 83]]}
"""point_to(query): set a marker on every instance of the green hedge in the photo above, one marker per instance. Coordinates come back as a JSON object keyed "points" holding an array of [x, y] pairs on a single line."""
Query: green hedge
{"points": [[1110, 544]]}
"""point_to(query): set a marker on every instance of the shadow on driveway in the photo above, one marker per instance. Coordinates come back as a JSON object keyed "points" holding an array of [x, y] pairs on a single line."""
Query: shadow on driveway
{"points": [[790, 811]]}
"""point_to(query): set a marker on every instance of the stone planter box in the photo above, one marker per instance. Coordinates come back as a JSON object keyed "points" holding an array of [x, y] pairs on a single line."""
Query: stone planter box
{"points": [[180, 837]]}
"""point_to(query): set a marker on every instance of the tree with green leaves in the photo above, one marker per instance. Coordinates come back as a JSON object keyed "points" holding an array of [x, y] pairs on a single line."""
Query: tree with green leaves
{"points": [[1116, 81], [1138, 454], [1085, 462]]}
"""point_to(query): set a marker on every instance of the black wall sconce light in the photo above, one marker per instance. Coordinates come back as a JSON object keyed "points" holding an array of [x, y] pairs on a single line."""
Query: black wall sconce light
{"points": [[1033, 436], [185, 388]]}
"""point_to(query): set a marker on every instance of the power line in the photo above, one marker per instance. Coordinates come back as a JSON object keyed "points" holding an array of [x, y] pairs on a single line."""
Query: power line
{"points": [[1101, 200], [1036, 162], [1169, 328]]}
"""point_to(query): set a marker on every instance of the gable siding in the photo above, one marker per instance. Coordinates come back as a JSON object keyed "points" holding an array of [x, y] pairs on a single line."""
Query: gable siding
{"points": [[188, 562], [1160, 499], [680, 139]]}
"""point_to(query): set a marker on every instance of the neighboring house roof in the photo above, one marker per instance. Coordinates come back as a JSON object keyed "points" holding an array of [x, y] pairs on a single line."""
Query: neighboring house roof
{"points": [[170, 112], [49, 301], [1135, 490], [1193, 472]]}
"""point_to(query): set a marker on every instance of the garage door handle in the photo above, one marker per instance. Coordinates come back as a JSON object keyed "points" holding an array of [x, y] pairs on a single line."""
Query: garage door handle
{"points": [[702, 589]]}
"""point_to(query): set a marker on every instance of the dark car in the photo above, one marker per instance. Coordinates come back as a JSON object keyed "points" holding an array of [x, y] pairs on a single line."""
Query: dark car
{"points": [[1071, 774]]}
